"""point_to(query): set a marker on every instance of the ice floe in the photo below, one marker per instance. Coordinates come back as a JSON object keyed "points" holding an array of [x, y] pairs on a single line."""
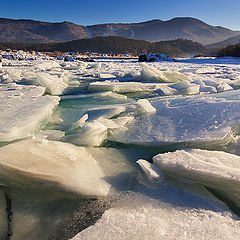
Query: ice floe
{"points": [[118, 111], [23, 110], [151, 74], [76, 169], [212, 168], [196, 119]]}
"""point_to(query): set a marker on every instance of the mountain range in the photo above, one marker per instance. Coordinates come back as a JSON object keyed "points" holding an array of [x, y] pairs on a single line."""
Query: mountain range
{"points": [[30, 31]]}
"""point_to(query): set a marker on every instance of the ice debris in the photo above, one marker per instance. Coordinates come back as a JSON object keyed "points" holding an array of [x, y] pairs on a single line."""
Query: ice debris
{"points": [[151, 171], [53, 84]]}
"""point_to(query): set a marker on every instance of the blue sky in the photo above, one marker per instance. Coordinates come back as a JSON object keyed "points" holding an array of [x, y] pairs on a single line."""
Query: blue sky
{"points": [[86, 12]]}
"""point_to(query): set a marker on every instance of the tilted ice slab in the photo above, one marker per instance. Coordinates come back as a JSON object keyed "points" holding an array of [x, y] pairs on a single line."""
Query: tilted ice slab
{"points": [[22, 110], [192, 119], [211, 168], [53, 84], [143, 217], [151, 74], [47, 164]]}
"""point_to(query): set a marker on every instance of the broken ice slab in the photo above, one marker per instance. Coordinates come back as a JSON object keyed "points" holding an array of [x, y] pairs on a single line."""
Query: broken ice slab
{"points": [[54, 85], [151, 74], [91, 134], [185, 88], [42, 165], [150, 170], [45, 65], [211, 168], [124, 87], [23, 110], [109, 94], [196, 120]]}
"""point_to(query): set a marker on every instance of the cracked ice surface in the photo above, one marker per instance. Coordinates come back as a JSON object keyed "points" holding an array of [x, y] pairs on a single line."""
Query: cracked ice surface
{"points": [[178, 120]]}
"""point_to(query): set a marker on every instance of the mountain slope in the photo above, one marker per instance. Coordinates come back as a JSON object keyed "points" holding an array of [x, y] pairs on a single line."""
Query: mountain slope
{"points": [[153, 31], [157, 30], [36, 31], [225, 43]]}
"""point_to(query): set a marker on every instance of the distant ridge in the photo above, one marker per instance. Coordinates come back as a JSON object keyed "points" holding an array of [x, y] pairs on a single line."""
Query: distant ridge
{"points": [[29, 31], [230, 41]]}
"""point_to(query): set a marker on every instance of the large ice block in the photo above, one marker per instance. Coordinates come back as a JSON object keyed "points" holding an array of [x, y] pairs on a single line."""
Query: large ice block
{"points": [[211, 168], [197, 119], [43, 164], [23, 110]]}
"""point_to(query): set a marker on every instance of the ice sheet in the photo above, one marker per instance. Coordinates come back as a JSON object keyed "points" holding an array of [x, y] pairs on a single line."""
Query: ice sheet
{"points": [[123, 87], [196, 119], [43, 164], [212, 168], [23, 110], [151, 74], [45, 65]]}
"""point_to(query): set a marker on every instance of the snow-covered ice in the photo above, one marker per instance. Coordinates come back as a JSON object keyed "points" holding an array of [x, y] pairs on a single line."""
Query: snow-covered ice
{"points": [[211, 168], [197, 119], [140, 216], [23, 110]]}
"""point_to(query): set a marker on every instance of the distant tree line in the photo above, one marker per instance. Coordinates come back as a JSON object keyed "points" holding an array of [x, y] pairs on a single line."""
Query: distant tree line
{"points": [[114, 45], [230, 51]]}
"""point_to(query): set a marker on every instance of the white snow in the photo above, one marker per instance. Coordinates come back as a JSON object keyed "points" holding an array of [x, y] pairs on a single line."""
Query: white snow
{"points": [[88, 32]]}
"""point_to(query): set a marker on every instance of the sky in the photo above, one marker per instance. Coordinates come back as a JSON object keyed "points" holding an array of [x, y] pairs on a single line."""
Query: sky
{"points": [[88, 12]]}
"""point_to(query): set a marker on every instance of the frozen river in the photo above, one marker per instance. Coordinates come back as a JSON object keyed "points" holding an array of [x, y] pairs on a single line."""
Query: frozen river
{"points": [[117, 149]]}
